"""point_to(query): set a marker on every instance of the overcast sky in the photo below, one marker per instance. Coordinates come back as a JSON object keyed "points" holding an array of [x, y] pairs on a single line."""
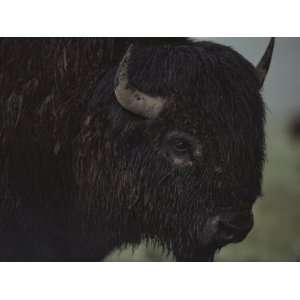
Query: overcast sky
{"points": [[281, 90]]}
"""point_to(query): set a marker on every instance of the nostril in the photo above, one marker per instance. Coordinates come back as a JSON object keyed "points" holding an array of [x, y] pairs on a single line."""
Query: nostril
{"points": [[227, 231], [235, 228]]}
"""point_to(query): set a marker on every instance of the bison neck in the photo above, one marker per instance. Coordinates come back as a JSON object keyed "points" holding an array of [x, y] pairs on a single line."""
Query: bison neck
{"points": [[47, 211], [54, 191]]}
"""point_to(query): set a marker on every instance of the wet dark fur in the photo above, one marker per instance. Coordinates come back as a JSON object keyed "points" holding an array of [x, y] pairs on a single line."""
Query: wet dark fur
{"points": [[80, 176]]}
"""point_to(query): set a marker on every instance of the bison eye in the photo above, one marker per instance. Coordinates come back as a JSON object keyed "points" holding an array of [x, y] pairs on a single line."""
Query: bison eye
{"points": [[181, 146]]}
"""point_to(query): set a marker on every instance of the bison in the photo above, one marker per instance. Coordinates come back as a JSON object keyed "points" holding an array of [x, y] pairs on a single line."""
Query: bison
{"points": [[108, 141]]}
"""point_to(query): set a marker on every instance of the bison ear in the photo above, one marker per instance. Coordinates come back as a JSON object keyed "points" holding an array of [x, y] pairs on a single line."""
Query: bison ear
{"points": [[264, 64], [132, 99]]}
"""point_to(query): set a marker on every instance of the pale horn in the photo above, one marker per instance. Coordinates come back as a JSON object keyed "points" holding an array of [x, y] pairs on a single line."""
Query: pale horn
{"points": [[132, 99]]}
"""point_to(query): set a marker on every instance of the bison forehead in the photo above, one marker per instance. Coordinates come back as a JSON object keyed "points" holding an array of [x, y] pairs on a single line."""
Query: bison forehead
{"points": [[189, 71]]}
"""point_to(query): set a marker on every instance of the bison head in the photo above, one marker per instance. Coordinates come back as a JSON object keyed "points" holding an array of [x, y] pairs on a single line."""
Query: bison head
{"points": [[188, 146]]}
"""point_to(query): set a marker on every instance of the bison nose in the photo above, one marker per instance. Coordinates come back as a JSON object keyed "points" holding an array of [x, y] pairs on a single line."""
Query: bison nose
{"points": [[234, 228]]}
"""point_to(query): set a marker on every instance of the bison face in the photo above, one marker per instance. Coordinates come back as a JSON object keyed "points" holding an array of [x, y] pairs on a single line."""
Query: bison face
{"points": [[189, 145]]}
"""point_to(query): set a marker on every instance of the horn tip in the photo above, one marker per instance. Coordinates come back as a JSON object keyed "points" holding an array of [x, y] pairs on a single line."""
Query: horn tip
{"points": [[264, 64]]}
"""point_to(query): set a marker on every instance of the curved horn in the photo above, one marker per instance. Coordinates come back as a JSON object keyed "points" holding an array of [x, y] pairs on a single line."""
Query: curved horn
{"points": [[132, 99], [264, 64]]}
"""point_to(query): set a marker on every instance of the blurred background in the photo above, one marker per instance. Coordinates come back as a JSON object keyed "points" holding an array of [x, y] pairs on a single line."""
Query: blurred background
{"points": [[276, 233]]}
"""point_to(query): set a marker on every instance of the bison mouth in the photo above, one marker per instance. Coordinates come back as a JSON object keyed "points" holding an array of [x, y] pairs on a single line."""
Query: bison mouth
{"points": [[197, 255]]}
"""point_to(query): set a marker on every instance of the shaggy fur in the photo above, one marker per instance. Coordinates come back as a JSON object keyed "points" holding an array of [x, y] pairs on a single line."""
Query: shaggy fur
{"points": [[80, 176]]}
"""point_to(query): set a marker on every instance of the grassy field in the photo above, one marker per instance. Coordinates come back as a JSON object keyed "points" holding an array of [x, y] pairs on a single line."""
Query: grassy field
{"points": [[276, 234]]}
